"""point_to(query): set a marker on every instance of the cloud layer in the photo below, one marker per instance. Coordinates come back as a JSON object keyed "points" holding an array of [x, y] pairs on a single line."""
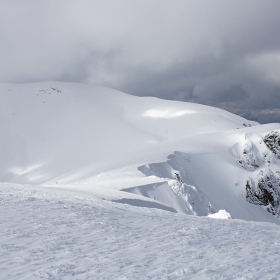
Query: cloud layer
{"points": [[220, 53]]}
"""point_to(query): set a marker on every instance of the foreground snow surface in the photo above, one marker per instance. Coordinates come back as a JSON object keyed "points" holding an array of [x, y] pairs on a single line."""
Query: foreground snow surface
{"points": [[49, 233]]}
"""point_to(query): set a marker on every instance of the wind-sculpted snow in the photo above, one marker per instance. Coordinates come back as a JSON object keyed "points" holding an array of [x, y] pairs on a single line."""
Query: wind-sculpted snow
{"points": [[143, 203], [176, 191], [56, 234], [174, 168]]}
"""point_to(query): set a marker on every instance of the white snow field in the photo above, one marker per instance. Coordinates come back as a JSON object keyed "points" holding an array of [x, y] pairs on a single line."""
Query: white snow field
{"points": [[53, 234], [99, 184]]}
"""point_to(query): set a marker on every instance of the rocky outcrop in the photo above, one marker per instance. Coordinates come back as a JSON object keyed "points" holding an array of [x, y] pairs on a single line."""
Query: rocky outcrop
{"points": [[249, 159], [247, 153], [254, 151], [272, 141], [265, 191], [260, 155]]}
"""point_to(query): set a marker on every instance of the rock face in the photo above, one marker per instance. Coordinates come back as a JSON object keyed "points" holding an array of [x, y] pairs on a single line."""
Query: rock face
{"points": [[260, 156], [265, 191], [272, 141]]}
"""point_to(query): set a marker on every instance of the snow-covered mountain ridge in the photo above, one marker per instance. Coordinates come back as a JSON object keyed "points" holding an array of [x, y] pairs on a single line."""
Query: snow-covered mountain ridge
{"points": [[175, 156]]}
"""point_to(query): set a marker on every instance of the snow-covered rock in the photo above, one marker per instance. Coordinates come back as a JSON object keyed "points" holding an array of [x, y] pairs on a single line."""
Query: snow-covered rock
{"points": [[247, 153], [272, 140], [265, 190]]}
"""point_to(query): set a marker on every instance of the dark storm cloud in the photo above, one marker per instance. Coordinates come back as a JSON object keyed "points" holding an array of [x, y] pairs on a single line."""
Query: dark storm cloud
{"points": [[220, 53]]}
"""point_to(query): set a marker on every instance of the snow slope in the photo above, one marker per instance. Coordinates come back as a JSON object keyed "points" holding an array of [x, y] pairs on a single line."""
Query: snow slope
{"points": [[49, 129], [181, 157], [53, 234], [76, 159]]}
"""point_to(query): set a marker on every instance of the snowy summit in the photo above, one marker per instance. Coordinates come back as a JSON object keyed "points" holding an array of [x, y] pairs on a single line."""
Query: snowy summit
{"points": [[99, 184]]}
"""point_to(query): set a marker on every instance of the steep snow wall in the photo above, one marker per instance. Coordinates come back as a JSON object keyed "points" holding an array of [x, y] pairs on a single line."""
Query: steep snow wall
{"points": [[177, 190]]}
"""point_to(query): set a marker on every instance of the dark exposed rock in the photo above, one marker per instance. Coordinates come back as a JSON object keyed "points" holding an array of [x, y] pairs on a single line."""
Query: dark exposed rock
{"points": [[178, 177], [272, 141], [266, 191], [246, 125]]}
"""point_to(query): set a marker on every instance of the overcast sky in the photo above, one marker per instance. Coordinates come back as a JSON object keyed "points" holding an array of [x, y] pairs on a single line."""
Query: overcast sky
{"points": [[221, 53]]}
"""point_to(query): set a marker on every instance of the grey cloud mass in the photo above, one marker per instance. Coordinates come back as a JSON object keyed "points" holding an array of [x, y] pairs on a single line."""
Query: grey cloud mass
{"points": [[221, 53]]}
